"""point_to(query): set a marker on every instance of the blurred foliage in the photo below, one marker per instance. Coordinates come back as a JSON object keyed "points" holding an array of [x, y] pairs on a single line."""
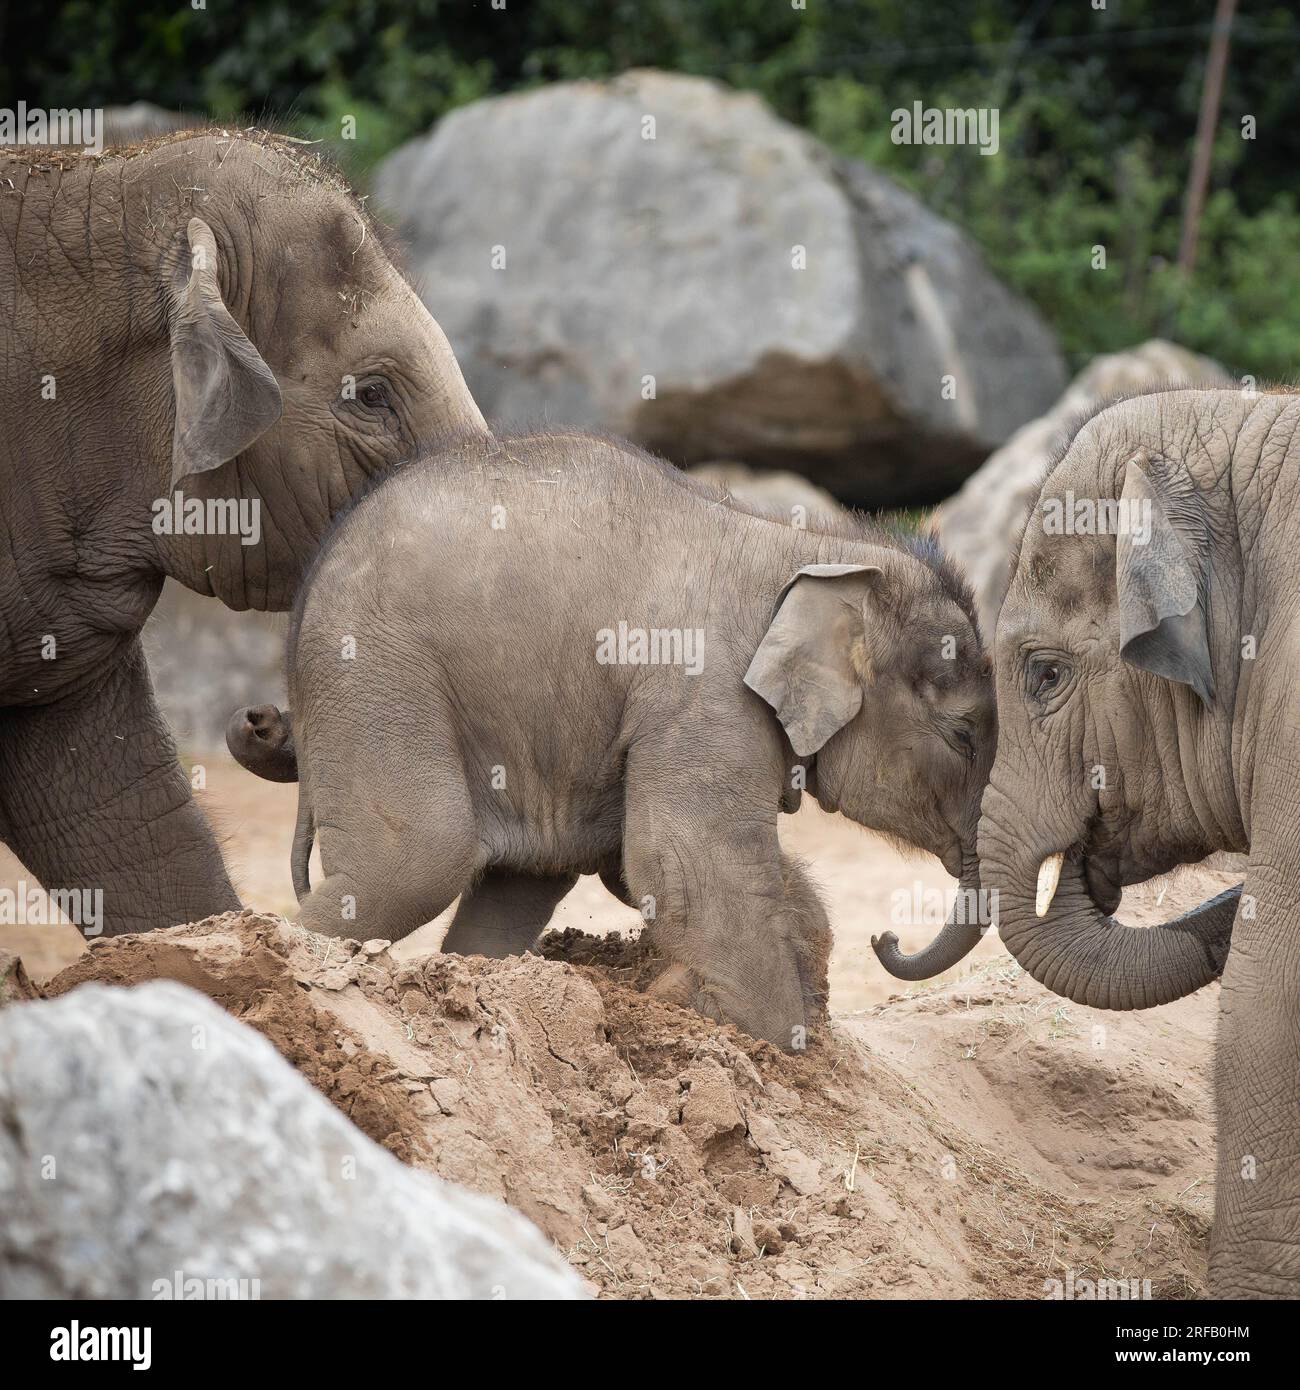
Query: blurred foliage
{"points": [[1098, 109]]}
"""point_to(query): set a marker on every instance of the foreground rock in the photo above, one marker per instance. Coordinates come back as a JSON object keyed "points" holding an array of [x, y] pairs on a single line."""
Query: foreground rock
{"points": [[978, 526], [973, 1141], [571, 259], [152, 1146]]}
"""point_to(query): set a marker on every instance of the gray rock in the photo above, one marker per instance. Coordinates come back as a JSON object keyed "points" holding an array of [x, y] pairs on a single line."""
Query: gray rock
{"points": [[145, 1132], [206, 660], [141, 120], [627, 258], [978, 526], [771, 490]]}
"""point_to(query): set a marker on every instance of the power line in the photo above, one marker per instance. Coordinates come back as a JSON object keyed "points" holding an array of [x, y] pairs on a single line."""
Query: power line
{"points": [[1116, 38]]}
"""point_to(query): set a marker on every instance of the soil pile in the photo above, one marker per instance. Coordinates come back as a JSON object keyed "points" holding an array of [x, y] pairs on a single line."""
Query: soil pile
{"points": [[976, 1139]]}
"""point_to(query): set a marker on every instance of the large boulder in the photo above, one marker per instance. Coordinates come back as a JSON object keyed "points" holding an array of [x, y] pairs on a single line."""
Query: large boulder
{"points": [[978, 527], [580, 240], [152, 1146]]}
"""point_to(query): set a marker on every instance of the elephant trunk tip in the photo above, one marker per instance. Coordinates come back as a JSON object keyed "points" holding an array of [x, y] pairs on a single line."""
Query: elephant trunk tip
{"points": [[948, 949], [891, 956]]}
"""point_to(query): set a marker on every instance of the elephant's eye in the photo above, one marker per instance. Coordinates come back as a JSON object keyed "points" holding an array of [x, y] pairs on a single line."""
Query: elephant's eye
{"points": [[1045, 675], [373, 394], [964, 742]]}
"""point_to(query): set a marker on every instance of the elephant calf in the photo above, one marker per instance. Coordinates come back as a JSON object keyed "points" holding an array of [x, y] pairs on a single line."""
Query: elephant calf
{"points": [[517, 662]]}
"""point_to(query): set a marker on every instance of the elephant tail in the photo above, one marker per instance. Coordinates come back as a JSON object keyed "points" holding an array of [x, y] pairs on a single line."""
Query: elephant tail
{"points": [[303, 836]]}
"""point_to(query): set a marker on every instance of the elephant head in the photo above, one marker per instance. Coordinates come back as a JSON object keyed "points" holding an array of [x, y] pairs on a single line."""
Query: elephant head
{"points": [[876, 673], [1116, 664], [301, 362]]}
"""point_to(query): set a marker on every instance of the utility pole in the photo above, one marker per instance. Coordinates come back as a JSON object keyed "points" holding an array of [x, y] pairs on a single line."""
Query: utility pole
{"points": [[1211, 94]]}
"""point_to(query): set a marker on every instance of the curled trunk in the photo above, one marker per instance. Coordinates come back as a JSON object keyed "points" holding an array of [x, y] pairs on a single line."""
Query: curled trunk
{"points": [[1076, 950], [960, 935]]}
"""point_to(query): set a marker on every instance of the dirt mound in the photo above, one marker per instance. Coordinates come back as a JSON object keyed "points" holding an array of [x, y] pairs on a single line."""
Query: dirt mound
{"points": [[974, 1140]]}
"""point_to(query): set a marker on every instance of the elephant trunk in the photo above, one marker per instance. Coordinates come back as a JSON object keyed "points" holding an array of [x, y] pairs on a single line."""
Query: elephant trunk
{"points": [[960, 935], [1067, 943], [260, 738]]}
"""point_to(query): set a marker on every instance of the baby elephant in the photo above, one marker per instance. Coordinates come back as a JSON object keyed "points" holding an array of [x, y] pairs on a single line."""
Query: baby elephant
{"points": [[521, 660]]}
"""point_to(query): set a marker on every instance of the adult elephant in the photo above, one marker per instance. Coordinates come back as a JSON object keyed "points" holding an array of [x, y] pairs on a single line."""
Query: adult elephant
{"points": [[211, 315], [1148, 698]]}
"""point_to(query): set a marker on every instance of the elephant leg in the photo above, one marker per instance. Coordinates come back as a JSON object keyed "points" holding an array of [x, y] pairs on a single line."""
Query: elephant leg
{"points": [[811, 931], [1255, 1243], [803, 920], [504, 913], [398, 844], [93, 798], [743, 933]]}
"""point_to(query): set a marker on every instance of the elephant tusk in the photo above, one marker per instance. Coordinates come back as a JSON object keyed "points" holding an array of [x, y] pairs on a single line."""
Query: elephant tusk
{"points": [[1049, 875]]}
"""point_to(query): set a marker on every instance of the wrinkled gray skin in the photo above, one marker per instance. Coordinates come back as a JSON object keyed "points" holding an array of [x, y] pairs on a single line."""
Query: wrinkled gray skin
{"points": [[474, 586], [1135, 660], [193, 306]]}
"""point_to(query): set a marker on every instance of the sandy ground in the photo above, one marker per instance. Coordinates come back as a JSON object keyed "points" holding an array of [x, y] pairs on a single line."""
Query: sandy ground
{"points": [[968, 1137]]}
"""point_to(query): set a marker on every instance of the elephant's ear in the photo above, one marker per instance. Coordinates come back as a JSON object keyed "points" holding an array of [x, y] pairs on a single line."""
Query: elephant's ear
{"points": [[1162, 576], [804, 666], [226, 395]]}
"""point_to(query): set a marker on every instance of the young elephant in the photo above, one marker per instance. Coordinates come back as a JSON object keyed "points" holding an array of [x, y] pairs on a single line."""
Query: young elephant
{"points": [[580, 653]]}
